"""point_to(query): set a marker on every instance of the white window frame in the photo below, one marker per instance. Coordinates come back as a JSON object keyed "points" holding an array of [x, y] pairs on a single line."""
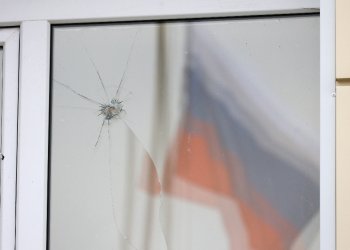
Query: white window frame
{"points": [[9, 40], [35, 20]]}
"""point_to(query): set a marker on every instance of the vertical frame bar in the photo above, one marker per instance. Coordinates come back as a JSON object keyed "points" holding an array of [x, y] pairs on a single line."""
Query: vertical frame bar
{"points": [[327, 122], [33, 136], [9, 39]]}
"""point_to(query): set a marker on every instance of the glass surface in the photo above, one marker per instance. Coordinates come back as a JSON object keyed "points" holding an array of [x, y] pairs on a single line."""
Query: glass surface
{"points": [[186, 135]]}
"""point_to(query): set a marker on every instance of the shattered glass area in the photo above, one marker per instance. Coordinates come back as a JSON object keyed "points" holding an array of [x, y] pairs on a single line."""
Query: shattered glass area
{"points": [[185, 135]]}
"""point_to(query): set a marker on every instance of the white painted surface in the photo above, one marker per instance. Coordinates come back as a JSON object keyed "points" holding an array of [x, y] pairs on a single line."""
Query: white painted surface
{"points": [[327, 122], [33, 136], [9, 40], [14, 12]]}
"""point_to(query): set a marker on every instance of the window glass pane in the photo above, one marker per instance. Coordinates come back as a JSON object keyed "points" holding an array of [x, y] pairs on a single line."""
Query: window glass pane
{"points": [[185, 135]]}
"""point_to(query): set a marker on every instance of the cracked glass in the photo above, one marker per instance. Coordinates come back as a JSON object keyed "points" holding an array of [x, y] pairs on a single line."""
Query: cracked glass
{"points": [[185, 135]]}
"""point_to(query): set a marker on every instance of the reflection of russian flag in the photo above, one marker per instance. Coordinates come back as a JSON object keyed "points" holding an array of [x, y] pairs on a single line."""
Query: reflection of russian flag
{"points": [[265, 186]]}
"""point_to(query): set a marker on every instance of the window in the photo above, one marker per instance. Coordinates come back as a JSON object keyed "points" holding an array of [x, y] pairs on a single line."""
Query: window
{"points": [[40, 100], [185, 135], [9, 48]]}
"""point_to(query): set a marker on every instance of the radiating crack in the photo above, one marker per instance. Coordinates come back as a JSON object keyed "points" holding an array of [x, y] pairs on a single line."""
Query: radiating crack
{"points": [[113, 111]]}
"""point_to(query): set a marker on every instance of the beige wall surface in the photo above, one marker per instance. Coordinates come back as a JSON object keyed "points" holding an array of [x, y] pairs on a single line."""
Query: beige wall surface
{"points": [[343, 161], [342, 124], [342, 39]]}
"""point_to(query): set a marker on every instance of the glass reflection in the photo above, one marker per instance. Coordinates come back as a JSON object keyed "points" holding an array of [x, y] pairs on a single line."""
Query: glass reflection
{"points": [[187, 135]]}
